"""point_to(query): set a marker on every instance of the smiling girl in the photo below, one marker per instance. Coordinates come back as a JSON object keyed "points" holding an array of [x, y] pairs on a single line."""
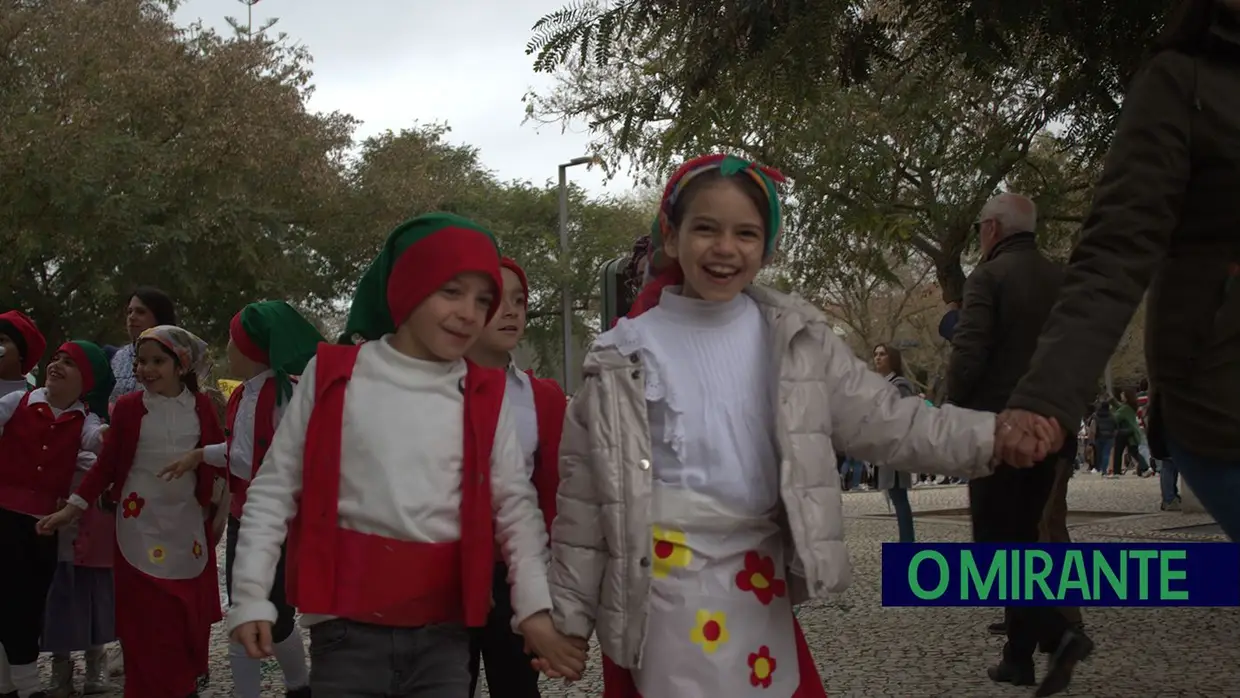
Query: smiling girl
{"points": [[164, 561], [698, 498], [48, 435]]}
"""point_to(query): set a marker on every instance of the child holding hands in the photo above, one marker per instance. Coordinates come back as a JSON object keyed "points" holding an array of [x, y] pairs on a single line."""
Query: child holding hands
{"points": [[698, 499], [398, 467]]}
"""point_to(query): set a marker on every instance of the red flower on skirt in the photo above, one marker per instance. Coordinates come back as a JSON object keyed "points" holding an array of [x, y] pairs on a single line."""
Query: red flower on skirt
{"points": [[761, 667], [132, 506], [759, 577]]}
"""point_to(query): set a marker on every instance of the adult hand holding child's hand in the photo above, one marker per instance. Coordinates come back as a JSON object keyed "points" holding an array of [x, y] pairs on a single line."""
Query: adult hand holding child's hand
{"points": [[558, 656], [1023, 438]]}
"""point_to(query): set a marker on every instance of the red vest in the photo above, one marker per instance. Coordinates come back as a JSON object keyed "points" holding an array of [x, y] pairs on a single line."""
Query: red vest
{"points": [[38, 456], [120, 444], [334, 571], [550, 406], [264, 430]]}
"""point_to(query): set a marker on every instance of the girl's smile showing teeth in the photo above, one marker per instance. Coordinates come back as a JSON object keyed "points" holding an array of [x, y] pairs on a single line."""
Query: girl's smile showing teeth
{"points": [[720, 272]]}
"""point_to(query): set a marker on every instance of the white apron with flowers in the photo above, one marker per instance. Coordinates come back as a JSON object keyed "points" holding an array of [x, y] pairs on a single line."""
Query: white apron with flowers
{"points": [[720, 623], [159, 525]]}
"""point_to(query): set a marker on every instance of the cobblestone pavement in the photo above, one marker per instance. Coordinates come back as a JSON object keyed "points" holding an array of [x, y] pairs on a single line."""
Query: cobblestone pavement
{"points": [[865, 650]]}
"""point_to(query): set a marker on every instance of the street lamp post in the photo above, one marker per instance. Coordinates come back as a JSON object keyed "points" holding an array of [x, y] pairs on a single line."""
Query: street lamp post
{"points": [[566, 297]]}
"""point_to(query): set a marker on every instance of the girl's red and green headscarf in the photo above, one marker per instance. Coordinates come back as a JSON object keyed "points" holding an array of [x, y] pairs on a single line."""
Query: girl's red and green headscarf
{"points": [[664, 272], [274, 334]]}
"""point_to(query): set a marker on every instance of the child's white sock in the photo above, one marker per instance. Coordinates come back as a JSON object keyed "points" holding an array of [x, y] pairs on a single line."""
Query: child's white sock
{"points": [[26, 679], [291, 654], [6, 674], [247, 672]]}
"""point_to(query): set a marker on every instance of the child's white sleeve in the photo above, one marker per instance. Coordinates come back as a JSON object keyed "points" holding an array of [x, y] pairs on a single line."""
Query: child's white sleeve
{"points": [[871, 422], [578, 546], [215, 455], [93, 430], [271, 502], [519, 525], [8, 405]]}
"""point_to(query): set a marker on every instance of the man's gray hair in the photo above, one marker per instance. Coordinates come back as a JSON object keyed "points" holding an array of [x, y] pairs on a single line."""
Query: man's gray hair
{"points": [[1014, 212]]}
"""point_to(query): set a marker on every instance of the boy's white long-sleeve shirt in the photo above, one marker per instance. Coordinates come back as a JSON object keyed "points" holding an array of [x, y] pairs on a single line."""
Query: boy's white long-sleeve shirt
{"points": [[401, 458]]}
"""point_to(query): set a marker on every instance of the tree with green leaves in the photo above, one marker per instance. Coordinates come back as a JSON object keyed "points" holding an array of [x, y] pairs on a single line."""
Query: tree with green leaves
{"points": [[132, 152], [893, 167], [698, 53]]}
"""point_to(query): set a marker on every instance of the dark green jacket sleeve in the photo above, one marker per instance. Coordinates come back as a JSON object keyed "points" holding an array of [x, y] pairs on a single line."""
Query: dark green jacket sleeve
{"points": [[973, 338], [1125, 238]]}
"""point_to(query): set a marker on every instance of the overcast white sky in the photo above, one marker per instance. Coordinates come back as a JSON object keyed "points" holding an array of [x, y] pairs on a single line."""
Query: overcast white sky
{"points": [[393, 63]]}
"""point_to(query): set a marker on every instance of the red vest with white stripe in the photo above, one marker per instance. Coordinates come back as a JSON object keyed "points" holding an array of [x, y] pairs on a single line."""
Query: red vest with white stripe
{"points": [[334, 571], [38, 457]]}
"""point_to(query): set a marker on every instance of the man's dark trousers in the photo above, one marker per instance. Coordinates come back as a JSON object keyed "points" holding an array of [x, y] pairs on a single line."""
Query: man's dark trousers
{"points": [[1007, 507], [509, 672]]}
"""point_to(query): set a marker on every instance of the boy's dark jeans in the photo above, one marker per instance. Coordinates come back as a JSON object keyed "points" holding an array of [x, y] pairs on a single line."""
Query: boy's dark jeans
{"points": [[349, 659], [509, 673]]}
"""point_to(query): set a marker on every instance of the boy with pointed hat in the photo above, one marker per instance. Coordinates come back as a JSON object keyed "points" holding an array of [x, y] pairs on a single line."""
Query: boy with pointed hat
{"points": [[49, 434], [269, 345], [397, 465], [538, 406], [21, 347]]}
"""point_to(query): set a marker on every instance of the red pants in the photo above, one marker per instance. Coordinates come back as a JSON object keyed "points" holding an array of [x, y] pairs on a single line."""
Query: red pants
{"points": [[618, 682]]}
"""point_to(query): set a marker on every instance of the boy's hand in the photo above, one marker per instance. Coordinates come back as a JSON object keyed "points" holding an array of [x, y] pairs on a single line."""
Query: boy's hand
{"points": [[182, 465], [255, 636], [560, 656], [51, 523]]}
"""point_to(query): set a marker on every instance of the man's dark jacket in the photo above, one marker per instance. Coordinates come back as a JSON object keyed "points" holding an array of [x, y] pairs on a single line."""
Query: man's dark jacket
{"points": [[1007, 299], [1165, 215]]}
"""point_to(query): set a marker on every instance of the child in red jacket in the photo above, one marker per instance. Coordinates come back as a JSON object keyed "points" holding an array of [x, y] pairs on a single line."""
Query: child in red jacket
{"points": [[538, 407], [164, 565], [49, 434]]}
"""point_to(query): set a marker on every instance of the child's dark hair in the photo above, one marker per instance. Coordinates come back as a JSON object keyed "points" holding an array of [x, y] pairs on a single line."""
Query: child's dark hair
{"points": [[189, 379], [158, 302], [701, 181]]}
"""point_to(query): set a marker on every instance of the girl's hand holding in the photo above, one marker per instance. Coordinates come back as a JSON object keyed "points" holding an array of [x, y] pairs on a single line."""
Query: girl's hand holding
{"points": [[53, 522], [183, 465], [558, 656], [255, 636]]}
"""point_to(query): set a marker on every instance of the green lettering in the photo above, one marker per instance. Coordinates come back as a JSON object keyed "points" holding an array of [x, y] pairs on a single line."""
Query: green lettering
{"points": [[944, 575], [1036, 576], [1074, 565], [1119, 584], [1143, 571], [1166, 574], [971, 577], [1014, 579]]}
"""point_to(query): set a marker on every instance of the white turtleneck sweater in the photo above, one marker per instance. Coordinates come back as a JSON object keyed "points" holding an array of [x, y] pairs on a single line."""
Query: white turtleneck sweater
{"points": [[711, 392], [400, 477]]}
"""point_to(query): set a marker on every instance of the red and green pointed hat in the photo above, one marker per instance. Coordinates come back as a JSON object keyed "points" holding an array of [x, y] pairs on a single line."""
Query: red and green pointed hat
{"points": [[419, 257], [96, 370], [274, 334]]}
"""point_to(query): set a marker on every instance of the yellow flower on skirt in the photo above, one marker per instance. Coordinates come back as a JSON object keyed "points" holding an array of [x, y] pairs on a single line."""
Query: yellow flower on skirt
{"points": [[710, 630], [670, 551], [157, 554]]}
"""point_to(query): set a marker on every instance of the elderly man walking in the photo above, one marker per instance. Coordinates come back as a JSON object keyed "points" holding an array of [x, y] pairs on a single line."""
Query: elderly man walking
{"points": [[1006, 301]]}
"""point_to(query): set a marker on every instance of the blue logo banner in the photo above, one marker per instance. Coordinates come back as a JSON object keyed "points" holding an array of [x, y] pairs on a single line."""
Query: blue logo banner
{"points": [[1061, 574]]}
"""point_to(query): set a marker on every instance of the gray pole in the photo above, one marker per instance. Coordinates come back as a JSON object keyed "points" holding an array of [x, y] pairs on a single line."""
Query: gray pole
{"points": [[566, 301], [566, 295]]}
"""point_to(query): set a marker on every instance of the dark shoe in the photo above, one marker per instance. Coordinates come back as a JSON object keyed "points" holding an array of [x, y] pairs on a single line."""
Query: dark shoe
{"points": [[1009, 672], [999, 628], [303, 692], [1073, 648]]}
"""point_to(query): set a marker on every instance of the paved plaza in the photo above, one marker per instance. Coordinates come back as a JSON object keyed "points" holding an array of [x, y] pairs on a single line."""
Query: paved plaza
{"points": [[866, 650]]}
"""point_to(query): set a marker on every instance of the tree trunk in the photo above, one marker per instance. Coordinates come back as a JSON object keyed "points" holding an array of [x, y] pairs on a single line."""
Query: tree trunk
{"points": [[950, 275]]}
